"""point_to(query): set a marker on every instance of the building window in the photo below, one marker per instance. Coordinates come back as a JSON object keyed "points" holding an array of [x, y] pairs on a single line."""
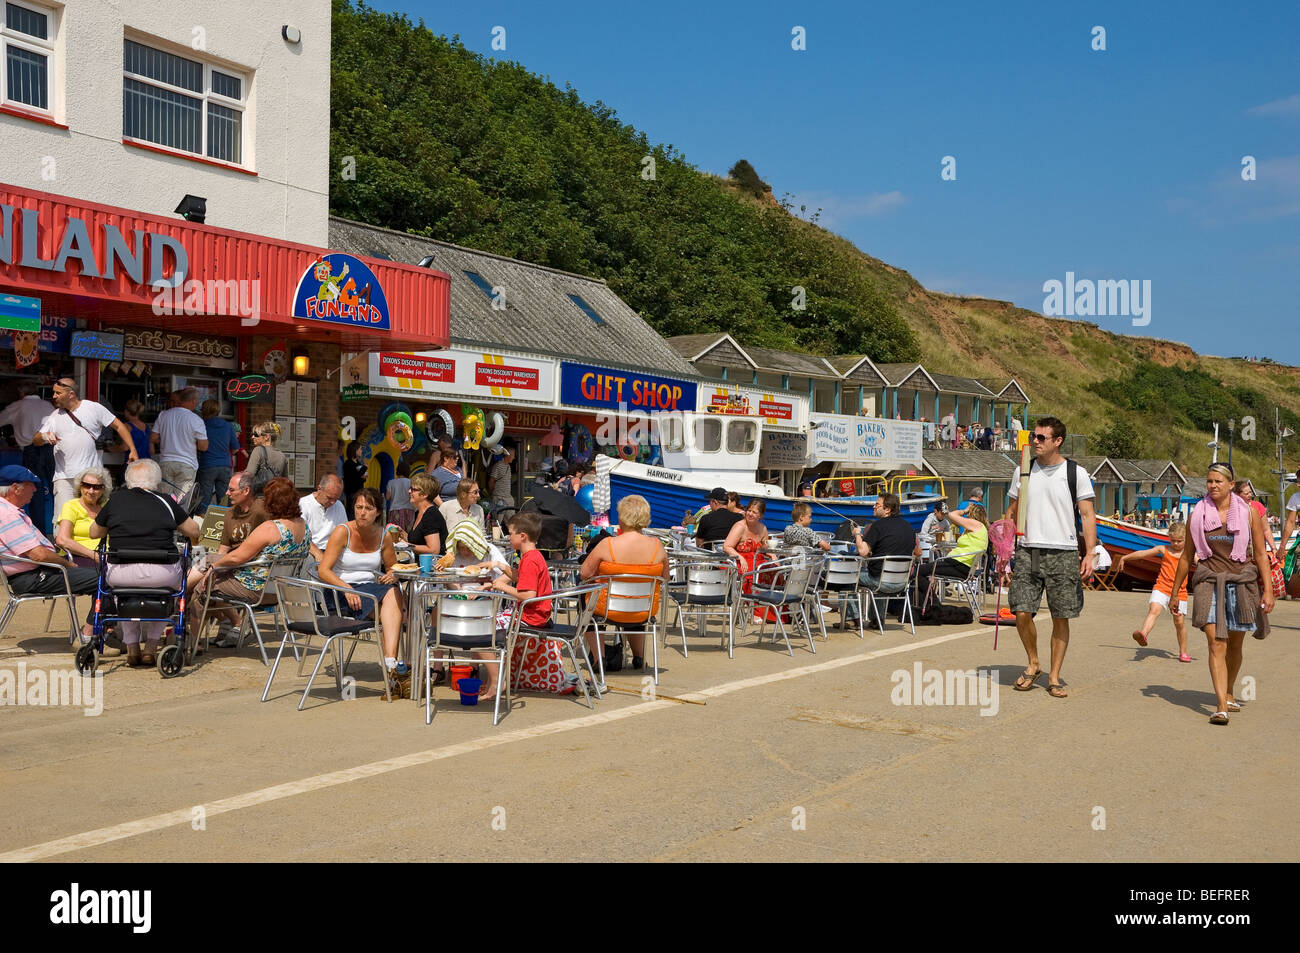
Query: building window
{"points": [[27, 36], [481, 283], [182, 103], [587, 309]]}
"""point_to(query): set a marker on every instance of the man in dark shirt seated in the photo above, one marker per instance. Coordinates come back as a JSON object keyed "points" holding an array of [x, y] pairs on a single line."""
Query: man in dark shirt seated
{"points": [[715, 525], [889, 535]]}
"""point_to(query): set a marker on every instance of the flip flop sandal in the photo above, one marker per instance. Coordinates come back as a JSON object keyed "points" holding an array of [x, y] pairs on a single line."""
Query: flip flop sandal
{"points": [[1219, 718], [1139, 638], [1234, 706], [1057, 691], [1022, 686], [1184, 657]]}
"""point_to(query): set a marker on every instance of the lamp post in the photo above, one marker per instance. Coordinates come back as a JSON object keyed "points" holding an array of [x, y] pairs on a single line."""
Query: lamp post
{"points": [[1232, 426]]}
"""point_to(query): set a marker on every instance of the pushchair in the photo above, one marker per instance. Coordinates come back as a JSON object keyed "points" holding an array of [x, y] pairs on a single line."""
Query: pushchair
{"points": [[139, 605]]}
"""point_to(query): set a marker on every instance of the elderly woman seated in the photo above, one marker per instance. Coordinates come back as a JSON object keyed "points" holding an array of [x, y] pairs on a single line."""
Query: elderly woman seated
{"points": [[282, 536], [140, 520], [73, 531], [629, 553]]}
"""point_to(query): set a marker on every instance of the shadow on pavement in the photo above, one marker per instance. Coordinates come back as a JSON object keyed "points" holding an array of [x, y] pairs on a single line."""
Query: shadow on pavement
{"points": [[1198, 701]]}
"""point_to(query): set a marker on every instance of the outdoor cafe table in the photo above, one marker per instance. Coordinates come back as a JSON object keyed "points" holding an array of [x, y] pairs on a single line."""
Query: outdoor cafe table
{"points": [[414, 585]]}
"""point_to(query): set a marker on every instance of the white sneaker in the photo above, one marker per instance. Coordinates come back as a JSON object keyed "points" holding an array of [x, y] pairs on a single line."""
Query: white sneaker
{"points": [[227, 636]]}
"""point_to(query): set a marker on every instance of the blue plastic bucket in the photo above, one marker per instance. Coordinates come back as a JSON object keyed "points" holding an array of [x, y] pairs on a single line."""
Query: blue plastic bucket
{"points": [[469, 690]]}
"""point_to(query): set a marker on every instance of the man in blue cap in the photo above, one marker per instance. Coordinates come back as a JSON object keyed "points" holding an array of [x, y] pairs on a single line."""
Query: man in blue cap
{"points": [[20, 537]]}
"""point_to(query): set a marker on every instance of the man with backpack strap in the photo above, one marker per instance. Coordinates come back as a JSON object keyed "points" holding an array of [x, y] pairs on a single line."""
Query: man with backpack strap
{"points": [[1059, 506]]}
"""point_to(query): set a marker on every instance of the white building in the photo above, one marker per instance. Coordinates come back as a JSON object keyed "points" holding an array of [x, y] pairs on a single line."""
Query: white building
{"points": [[137, 103]]}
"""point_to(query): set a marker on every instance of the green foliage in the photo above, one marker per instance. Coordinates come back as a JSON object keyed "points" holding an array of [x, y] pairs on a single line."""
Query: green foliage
{"points": [[1190, 397], [465, 149], [1119, 440], [746, 177]]}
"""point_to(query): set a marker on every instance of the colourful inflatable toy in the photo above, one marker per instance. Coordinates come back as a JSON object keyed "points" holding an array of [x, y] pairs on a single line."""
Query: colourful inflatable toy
{"points": [[581, 444], [472, 426]]}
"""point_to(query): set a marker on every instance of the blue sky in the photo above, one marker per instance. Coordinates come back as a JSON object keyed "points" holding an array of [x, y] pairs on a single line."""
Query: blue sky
{"points": [[1117, 164]]}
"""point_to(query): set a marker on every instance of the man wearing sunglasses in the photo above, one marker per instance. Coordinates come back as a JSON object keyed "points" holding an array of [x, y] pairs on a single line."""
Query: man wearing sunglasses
{"points": [[1047, 556], [72, 431]]}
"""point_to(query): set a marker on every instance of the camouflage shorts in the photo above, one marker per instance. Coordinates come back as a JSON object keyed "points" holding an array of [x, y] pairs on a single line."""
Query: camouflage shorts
{"points": [[1057, 571]]}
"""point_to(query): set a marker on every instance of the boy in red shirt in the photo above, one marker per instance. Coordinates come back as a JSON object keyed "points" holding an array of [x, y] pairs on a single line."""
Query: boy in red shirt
{"points": [[531, 578]]}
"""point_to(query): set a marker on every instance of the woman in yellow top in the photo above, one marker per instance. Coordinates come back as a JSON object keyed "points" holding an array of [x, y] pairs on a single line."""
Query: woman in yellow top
{"points": [[957, 564], [629, 553], [93, 488]]}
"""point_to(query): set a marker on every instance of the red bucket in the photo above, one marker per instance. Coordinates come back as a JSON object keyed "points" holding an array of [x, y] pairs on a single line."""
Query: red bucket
{"points": [[458, 672]]}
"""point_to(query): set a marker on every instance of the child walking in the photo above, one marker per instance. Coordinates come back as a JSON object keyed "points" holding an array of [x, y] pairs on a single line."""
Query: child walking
{"points": [[1162, 592]]}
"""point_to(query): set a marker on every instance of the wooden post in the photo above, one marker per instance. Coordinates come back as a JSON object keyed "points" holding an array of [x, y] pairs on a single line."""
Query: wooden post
{"points": [[1026, 456]]}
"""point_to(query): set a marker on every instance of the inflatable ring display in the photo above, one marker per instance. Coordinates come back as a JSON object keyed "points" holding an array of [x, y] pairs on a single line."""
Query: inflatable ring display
{"points": [[472, 426], [628, 451], [581, 444], [448, 429], [496, 433]]}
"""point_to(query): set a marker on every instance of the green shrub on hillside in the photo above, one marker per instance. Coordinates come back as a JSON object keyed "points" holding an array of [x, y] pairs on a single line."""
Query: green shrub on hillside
{"points": [[460, 148]]}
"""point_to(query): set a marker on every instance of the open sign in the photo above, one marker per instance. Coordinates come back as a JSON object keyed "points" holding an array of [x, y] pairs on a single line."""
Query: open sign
{"points": [[251, 387]]}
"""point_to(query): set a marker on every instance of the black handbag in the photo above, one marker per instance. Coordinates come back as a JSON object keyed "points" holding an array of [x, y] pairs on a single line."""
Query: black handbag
{"points": [[107, 437]]}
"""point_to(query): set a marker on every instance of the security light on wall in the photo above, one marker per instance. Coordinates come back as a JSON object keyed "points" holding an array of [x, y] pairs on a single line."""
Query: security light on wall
{"points": [[193, 208], [291, 34], [425, 262]]}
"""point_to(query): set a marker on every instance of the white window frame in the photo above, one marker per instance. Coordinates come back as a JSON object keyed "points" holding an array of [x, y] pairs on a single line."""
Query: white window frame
{"points": [[698, 425], [46, 47], [747, 427], [206, 97]]}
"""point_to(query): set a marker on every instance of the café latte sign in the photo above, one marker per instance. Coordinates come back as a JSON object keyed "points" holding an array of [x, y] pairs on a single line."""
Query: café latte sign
{"points": [[150, 344]]}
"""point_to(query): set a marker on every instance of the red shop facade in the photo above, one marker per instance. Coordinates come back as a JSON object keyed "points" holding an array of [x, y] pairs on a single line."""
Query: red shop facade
{"points": [[135, 306]]}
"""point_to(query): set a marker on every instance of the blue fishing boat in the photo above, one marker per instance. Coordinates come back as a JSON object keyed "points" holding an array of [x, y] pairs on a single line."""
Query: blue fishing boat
{"points": [[701, 451]]}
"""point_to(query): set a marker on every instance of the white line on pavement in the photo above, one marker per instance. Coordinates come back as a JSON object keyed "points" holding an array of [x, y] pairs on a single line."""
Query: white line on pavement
{"points": [[105, 835]]}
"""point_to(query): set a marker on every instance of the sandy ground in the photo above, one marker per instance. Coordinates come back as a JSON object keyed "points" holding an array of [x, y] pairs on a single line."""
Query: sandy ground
{"points": [[804, 758]]}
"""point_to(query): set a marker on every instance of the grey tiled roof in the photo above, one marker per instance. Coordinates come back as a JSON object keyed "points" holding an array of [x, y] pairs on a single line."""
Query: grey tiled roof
{"points": [[1132, 470], [538, 317], [960, 385], [1091, 464], [1157, 467], [970, 464], [790, 362], [894, 373]]}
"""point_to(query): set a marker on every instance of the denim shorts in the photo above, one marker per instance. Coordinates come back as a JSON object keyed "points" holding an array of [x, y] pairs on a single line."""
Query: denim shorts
{"points": [[376, 589], [1234, 623]]}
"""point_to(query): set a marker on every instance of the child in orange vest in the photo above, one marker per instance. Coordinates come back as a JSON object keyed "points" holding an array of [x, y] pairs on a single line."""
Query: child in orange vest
{"points": [[1162, 592]]}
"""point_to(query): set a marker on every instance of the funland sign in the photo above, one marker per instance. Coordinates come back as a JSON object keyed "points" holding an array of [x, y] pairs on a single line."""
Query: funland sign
{"points": [[342, 290]]}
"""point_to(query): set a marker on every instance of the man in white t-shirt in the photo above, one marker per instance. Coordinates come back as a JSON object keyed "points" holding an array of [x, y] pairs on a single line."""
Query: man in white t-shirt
{"points": [[323, 512], [1047, 556], [178, 436], [72, 431]]}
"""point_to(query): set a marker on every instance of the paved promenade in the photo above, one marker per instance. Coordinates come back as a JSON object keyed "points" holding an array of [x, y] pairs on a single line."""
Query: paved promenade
{"points": [[810, 758]]}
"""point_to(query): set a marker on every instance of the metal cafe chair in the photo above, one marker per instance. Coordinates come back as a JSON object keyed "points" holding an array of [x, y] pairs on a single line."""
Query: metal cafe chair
{"points": [[970, 588], [708, 588], [895, 574], [464, 621], [842, 580], [249, 612], [636, 596], [570, 637], [304, 607], [790, 580], [12, 599]]}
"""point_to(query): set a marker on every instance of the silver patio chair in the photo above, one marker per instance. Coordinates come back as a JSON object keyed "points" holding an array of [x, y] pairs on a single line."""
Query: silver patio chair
{"points": [[570, 637], [12, 600], [250, 612], [708, 588], [895, 575], [790, 580], [637, 595], [305, 609], [970, 588], [842, 581], [463, 621]]}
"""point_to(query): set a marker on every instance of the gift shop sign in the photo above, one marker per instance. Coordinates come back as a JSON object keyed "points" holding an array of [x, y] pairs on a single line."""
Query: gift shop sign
{"points": [[583, 385], [461, 373]]}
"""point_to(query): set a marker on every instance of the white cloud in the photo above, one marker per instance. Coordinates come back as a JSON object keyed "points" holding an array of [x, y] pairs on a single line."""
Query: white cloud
{"points": [[836, 210], [1288, 106], [1275, 193]]}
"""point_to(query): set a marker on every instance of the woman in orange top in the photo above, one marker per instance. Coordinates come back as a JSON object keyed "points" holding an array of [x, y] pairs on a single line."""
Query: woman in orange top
{"points": [[1163, 591], [630, 553]]}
